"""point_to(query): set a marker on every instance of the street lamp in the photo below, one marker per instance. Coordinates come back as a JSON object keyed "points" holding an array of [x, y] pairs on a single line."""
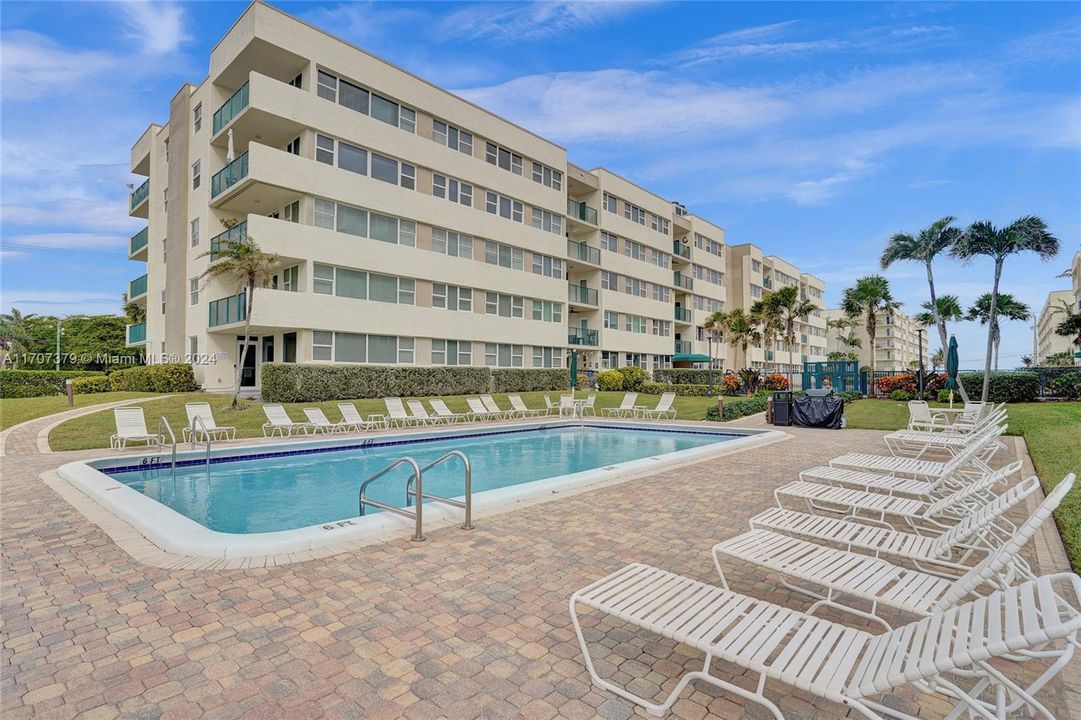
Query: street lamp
{"points": [[709, 373], [919, 349]]}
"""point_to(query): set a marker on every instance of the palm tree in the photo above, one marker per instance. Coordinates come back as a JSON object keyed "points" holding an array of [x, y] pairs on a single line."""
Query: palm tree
{"points": [[13, 336], [849, 339], [939, 358], [949, 310], [934, 239], [242, 263], [1026, 234], [736, 326], [765, 315], [1008, 307], [869, 297], [135, 312], [1070, 325], [1026, 360], [791, 309]]}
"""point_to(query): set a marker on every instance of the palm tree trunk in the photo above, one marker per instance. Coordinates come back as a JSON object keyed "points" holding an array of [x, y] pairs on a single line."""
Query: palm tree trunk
{"points": [[874, 350], [990, 332], [244, 348], [940, 323]]}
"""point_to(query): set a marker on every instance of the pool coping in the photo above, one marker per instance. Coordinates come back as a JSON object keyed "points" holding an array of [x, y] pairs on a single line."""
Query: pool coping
{"points": [[155, 534]]}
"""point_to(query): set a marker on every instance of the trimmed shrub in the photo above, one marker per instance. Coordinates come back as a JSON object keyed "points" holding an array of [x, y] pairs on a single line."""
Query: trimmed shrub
{"points": [[165, 378], [633, 377], [775, 381], [735, 409], [91, 385], [529, 379], [944, 395], [849, 395], [891, 383], [1004, 386], [680, 389], [1068, 385], [900, 395], [38, 383], [610, 380], [732, 384], [687, 376], [315, 382]]}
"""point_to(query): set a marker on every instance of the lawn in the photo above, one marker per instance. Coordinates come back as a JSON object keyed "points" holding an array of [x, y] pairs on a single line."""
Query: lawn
{"points": [[93, 431], [16, 410]]}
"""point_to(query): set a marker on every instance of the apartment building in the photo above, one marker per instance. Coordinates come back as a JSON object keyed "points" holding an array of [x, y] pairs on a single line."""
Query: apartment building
{"points": [[753, 275], [1045, 341], [412, 226], [897, 341]]}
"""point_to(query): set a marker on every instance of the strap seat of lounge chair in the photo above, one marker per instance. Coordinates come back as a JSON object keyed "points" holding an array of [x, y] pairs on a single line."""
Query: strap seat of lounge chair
{"points": [[868, 481]]}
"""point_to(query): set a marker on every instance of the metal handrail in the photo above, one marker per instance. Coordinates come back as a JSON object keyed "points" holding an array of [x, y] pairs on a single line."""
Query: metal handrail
{"points": [[362, 501], [206, 433], [467, 505], [172, 436]]}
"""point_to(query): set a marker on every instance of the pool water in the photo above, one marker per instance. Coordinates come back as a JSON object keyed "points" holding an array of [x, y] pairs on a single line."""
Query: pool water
{"points": [[299, 490]]}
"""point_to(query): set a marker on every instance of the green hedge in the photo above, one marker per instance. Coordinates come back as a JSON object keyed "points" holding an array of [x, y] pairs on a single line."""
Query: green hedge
{"points": [[1004, 387], [610, 380], [634, 377], [735, 409], [1068, 385], [165, 378], [655, 388], [529, 379], [37, 383], [687, 376], [91, 385], [315, 382]]}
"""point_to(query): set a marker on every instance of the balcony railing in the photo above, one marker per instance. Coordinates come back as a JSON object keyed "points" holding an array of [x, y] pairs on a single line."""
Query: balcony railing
{"points": [[137, 333], [139, 194], [769, 356], [767, 283], [683, 314], [229, 175], [683, 251], [236, 234], [582, 295], [228, 310], [138, 241], [577, 336], [683, 346], [231, 108], [682, 281], [137, 287], [581, 211], [583, 253]]}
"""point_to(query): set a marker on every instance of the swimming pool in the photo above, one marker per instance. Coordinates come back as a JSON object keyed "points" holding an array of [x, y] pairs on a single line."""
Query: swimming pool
{"points": [[286, 497]]}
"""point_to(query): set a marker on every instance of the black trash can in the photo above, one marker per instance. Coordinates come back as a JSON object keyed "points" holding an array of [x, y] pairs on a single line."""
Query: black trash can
{"points": [[782, 407]]}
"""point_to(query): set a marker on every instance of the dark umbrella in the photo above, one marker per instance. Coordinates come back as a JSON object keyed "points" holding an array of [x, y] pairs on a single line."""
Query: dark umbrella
{"points": [[574, 370], [952, 364]]}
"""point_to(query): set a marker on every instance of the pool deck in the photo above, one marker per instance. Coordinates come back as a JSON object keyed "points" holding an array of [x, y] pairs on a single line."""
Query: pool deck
{"points": [[467, 624]]}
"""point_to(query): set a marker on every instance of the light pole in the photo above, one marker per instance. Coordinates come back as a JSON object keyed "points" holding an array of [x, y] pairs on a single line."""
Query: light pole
{"points": [[709, 374], [919, 349]]}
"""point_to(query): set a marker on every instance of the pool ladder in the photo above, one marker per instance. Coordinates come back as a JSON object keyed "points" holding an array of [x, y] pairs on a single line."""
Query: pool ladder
{"points": [[172, 436], [417, 478]]}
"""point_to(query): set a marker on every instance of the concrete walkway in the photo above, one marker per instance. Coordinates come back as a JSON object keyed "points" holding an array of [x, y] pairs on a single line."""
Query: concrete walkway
{"points": [[32, 437]]}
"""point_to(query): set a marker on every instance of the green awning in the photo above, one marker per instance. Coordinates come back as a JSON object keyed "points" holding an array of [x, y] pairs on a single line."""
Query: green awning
{"points": [[690, 357]]}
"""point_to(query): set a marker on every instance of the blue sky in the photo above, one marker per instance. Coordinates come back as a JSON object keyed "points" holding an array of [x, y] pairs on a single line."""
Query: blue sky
{"points": [[812, 129]]}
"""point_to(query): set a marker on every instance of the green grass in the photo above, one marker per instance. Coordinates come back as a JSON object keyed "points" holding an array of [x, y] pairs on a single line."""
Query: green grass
{"points": [[1051, 430], [17, 410], [93, 431]]}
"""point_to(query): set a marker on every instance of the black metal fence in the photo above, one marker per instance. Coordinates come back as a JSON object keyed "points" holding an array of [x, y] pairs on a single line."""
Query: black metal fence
{"points": [[1045, 375]]}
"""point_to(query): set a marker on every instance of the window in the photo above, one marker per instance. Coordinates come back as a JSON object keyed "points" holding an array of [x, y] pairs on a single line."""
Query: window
{"points": [[635, 324], [352, 158], [288, 279], [452, 352], [714, 277], [634, 213], [193, 346], [164, 250], [324, 213], [162, 302], [195, 232], [503, 158], [709, 245], [452, 297], [502, 355], [193, 291], [662, 361], [196, 174], [658, 223], [352, 347], [503, 255], [662, 328], [610, 203], [324, 149], [343, 282], [611, 320], [451, 189], [512, 306], [165, 199], [293, 146], [546, 311], [634, 286], [503, 206], [357, 221], [756, 266], [386, 169], [451, 243], [452, 137], [296, 82], [292, 212], [609, 241], [660, 259], [548, 357], [609, 280], [756, 292], [662, 293], [327, 87], [322, 345], [549, 222], [197, 117], [636, 251], [547, 266], [353, 97], [547, 176]]}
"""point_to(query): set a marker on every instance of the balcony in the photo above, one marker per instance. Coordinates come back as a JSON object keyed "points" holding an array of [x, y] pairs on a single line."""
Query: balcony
{"points": [[767, 282], [581, 295], [139, 197], [229, 176], [769, 356], [232, 309], [681, 250], [137, 288], [137, 334], [577, 336], [580, 252], [236, 234], [683, 315], [231, 108], [137, 245], [683, 347], [682, 281], [581, 212]]}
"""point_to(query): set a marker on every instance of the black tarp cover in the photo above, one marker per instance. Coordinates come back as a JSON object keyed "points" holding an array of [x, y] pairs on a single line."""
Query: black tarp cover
{"points": [[823, 412]]}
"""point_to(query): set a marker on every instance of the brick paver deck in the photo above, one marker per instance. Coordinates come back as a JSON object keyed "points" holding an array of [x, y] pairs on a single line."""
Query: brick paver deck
{"points": [[468, 624]]}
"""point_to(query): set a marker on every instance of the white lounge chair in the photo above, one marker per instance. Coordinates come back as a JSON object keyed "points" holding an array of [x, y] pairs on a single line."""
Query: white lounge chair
{"points": [[521, 408], [351, 415], [916, 443], [479, 412], [279, 423], [626, 407], [664, 408], [396, 414], [856, 576], [206, 422], [416, 407], [493, 407], [321, 423], [922, 417], [131, 428], [834, 661], [589, 407], [975, 456], [442, 411], [567, 408], [551, 408]]}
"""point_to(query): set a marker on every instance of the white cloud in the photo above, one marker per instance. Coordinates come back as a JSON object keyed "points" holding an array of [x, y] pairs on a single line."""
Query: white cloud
{"points": [[60, 301], [35, 66], [157, 26], [518, 21]]}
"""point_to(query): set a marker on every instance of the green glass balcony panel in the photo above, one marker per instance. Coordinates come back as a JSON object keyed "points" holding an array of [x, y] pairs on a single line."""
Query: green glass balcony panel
{"points": [[682, 281], [139, 194], [683, 251], [581, 211], [583, 253], [228, 310], [138, 241], [577, 336], [229, 175], [231, 108], [682, 346], [583, 295], [683, 314], [236, 234], [137, 333], [137, 287]]}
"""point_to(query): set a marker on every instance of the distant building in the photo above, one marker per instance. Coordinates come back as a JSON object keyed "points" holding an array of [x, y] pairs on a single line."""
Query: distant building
{"points": [[897, 345]]}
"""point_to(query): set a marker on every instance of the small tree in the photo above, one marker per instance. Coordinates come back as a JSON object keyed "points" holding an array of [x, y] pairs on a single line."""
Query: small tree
{"points": [[847, 336], [736, 327], [790, 308], [245, 265], [1008, 307], [14, 337], [1070, 324], [868, 298], [765, 316], [939, 358]]}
